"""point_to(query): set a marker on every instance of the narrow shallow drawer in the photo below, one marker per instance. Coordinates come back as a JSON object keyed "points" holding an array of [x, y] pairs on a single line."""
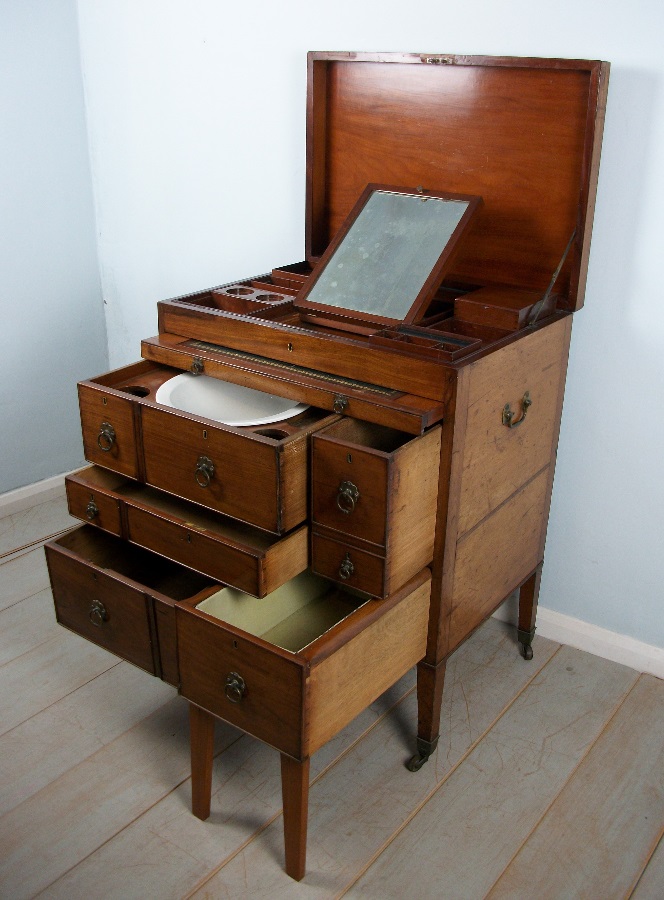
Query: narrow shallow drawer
{"points": [[349, 565], [226, 550], [222, 467], [108, 592], [91, 497], [295, 667]]}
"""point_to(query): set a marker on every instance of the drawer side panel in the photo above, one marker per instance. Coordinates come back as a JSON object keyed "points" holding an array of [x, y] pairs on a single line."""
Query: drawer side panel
{"points": [[345, 683], [497, 556]]}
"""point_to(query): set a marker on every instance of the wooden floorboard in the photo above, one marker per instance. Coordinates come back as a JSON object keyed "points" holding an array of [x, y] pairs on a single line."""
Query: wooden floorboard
{"points": [[596, 838], [464, 836], [537, 761], [23, 576], [650, 885]]}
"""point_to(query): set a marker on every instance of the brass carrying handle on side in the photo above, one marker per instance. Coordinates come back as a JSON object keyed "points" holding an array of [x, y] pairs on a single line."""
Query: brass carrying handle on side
{"points": [[508, 414]]}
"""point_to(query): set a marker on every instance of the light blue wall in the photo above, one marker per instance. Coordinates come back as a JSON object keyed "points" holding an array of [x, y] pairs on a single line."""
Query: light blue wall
{"points": [[52, 329]]}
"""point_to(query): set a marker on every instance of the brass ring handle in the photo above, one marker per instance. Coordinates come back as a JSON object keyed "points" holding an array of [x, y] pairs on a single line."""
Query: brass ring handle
{"points": [[106, 437], [235, 687], [92, 510], [340, 404], [508, 415], [347, 497], [97, 613], [346, 568], [204, 471]]}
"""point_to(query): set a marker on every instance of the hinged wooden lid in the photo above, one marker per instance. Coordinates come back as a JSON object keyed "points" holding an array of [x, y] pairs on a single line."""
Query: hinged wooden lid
{"points": [[524, 134]]}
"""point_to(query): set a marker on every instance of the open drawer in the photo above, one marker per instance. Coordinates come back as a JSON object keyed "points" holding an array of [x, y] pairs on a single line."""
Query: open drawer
{"points": [[122, 597], [225, 468], [215, 545], [296, 667], [374, 496]]}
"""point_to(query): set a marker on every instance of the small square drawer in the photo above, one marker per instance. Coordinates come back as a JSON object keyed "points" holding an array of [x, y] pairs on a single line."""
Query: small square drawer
{"points": [[295, 667], [226, 550], [369, 481], [222, 467], [374, 489], [121, 597]]}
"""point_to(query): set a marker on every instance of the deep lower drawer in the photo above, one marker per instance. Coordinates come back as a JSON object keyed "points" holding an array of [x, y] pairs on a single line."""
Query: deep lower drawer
{"points": [[121, 597], [296, 667]]}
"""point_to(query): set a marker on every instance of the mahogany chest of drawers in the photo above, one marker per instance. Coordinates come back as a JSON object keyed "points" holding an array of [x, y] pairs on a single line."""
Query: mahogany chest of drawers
{"points": [[283, 575]]}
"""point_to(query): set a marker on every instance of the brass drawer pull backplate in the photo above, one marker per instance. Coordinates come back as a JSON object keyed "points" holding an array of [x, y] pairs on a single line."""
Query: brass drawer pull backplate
{"points": [[106, 437], [508, 415], [204, 471], [97, 613], [235, 687], [347, 496], [346, 568]]}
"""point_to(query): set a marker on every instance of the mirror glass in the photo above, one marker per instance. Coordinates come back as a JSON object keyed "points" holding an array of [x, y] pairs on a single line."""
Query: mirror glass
{"points": [[387, 255]]}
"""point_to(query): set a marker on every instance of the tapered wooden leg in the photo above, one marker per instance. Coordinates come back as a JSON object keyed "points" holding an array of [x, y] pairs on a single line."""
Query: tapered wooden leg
{"points": [[201, 729], [295, 793], [430, 683], [528, 595]]}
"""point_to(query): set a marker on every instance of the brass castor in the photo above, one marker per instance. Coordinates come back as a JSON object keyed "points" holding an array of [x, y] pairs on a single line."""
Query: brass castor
{"points": [[526, 640], [424, 751]]}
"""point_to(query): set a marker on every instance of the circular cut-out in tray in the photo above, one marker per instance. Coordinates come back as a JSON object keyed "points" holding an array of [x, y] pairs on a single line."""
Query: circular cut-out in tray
{"points": [[230, 404]]}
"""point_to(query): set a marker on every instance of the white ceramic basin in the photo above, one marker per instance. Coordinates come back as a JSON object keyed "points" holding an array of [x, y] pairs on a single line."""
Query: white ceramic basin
{"points": [[231, 404]]}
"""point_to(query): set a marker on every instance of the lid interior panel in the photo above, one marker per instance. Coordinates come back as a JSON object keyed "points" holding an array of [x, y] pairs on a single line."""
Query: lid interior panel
{"points": [[520, 136]]}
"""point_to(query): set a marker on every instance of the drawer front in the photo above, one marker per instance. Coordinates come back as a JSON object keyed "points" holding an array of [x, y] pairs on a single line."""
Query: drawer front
{"points": [[347, 565], [222, 470], [101, 608], [254, 573], [272, 705], [349, 489], [109, 437], [94, 507]]}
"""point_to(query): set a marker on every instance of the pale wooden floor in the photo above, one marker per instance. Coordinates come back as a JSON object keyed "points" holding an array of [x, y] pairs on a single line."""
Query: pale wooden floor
{"points": [[547, 781]]}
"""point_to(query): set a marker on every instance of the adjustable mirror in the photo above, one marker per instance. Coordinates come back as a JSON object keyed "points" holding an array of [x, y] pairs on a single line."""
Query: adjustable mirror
{"points": [[388, 259]]}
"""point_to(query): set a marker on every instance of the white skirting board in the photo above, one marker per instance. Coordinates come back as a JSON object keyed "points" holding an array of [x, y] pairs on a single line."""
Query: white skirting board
{"points": [[23, 498], [592, 638], [550, 624]]}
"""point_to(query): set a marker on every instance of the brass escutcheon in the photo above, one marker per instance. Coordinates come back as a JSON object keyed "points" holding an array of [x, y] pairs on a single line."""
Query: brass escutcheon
{"points": [[197, 366], [235, 687], [106, 437], [92, 509], [508, 415], [204, 471], [347, 497], [97, 613]]}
